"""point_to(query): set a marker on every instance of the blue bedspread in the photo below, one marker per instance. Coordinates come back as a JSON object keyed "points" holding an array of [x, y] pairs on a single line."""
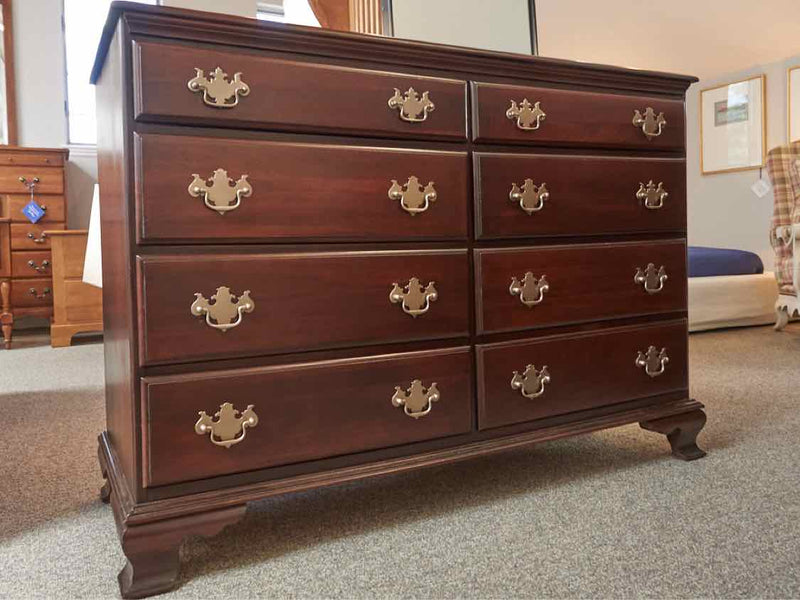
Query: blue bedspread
{"points": [[711, 262]]}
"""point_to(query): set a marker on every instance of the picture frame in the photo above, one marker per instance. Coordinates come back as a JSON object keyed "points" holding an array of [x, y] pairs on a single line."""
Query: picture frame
{"points": [[793, 104], [733, 126]]}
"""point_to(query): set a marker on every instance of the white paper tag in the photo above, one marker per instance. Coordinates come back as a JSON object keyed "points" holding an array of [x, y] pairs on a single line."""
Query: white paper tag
{"points": [[761, 187]]}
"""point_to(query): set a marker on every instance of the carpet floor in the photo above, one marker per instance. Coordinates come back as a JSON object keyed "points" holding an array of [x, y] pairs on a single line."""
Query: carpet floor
{"points": [[607, 515]]}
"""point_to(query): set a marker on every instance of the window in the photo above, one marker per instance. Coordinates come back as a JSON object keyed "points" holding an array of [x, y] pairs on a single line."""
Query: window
{"points": [[271, 10], [83, 24]]}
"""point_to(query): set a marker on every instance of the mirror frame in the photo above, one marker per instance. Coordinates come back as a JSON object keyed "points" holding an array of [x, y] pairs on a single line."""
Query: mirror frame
{"points": [[11, 89]]}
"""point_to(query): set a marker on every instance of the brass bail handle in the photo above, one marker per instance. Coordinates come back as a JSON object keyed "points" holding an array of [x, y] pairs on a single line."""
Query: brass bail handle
{"points": [[416, 400], [532, 382], [228, 427], [653, 361]]}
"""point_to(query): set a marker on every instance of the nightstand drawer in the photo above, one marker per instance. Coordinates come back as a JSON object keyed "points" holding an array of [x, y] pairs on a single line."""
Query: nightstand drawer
{"points": [[524, 288], [27, 236], [51, 179], [53, 207], [195, 306], [301, 412], [524, 195], [32, 292], [575, 118], [291, 96], [274, 191], [532, 379], [36, 263]]}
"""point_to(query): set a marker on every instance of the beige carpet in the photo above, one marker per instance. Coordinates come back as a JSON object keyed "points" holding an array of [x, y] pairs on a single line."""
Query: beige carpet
{"points": [[607, 515]]}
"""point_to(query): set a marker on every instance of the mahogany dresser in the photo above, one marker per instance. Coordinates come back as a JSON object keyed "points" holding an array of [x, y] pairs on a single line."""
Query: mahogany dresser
{"points": [[330, 256], [28, 174]]}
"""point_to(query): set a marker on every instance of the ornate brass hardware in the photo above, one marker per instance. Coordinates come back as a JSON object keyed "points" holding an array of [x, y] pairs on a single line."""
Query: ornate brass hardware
{"points": [[415, 299], [39, 268], [531, 383], [29, 184], [37, 295], [653, 279], [530, 290], [531, 197], [528, 117], [225, 310], [218, 90], [653, 196], [413, 198], [219, 192], [411, 107], [416, 400], [230, 427], [37, 240], [652, 125], [653, 361]]}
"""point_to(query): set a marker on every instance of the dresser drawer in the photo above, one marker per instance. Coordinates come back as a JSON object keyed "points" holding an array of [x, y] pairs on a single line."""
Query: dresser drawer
{"points": [[32, 292], [35, 158], [51, 179], [572, 118], [53, 206], [581, 283], [297, 191], [547, 195], [581, 371], [287, 95], [301, 301], [34, 263], [5, 248], [27, 236], [304, 412]]}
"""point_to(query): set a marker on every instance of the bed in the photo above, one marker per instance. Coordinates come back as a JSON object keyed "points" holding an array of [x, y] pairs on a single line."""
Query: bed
{"points": [[729, 288]]}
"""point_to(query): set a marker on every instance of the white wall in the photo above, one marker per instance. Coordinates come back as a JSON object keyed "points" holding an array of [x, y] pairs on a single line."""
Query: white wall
{"points": [[243, 8]]}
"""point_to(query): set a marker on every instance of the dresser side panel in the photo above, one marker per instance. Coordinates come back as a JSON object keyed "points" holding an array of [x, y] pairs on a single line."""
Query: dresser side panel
{"points": [[118, 304]]}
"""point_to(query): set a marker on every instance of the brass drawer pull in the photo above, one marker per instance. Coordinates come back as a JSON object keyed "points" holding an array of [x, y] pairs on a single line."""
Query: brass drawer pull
{"points": [[653, 361], [218, 90], [40, 268], [531, 383], [531, 197], [45, 293], [230, 426], [220, 192], [225, 309], [413, 198], [416, 400], [652, 125], [415, 299], [531, 290], [410, 106], [37, 240], [653, 196], [31, 185], [528, 117], [653, 279]]}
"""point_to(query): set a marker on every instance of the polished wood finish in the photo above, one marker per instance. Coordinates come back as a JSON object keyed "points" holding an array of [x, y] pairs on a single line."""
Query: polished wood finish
{"points": [[681, 431], [589, 195], [77, 306], [288, 95], [324, 342], [574, 118], [306, 411], [586, 283], [304, 301], [586, 370], [300, 191], [27, 241]]}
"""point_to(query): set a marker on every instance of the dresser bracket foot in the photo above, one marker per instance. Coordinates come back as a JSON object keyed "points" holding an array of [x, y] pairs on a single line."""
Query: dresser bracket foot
{"points": [[681, 431], [153, 549]]}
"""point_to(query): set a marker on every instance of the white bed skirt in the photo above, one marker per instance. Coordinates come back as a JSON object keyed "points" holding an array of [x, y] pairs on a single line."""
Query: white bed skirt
{"points": [[732, 301]]}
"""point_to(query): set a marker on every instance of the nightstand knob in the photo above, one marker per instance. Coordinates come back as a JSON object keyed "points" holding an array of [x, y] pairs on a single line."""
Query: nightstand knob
{"points": [[37, 295], [652, 195], [230, 426], [530, 290], [39, 268], [652, 125], [653, 361], [413, 297], [528, 117], [531, 383], [225, 310], [651, 278], [412, 196], [220, 192], [416, 400], [410, 106], [218, 90], [531, 198]]}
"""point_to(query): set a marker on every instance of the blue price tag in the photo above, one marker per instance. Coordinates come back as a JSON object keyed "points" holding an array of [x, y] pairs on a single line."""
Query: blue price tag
{"points": [[33, 211]]}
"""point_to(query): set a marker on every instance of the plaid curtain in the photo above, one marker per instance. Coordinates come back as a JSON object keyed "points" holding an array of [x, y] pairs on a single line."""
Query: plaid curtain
{"points": [[783, 167]]}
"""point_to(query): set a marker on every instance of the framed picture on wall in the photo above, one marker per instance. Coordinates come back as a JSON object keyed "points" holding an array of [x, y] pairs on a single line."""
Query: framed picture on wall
{"points": [[733, 123], [793, 103]]}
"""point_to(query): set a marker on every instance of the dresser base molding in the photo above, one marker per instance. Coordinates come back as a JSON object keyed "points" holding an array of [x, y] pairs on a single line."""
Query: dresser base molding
{"points": [[151, 532]]}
